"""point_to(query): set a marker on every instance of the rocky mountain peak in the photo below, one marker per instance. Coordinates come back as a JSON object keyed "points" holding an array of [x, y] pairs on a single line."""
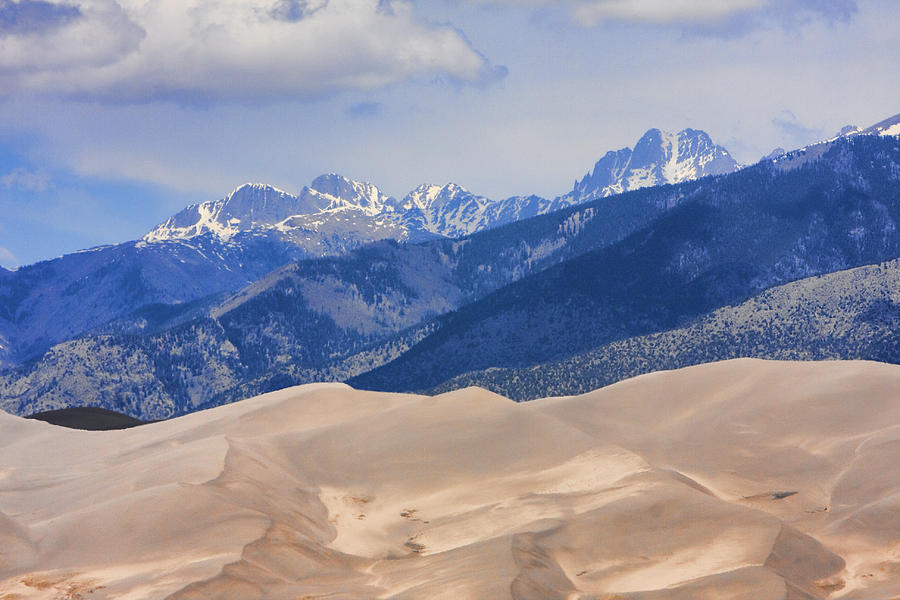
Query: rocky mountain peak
{"points": [[338, 192], [249, 206], [257, 203], [658, 158]]}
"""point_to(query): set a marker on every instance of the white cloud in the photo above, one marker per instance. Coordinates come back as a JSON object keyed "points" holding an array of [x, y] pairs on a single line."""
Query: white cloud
{"points": [[728, 16], [661, 11], [96, 33], [240, 50], [25, 180]]}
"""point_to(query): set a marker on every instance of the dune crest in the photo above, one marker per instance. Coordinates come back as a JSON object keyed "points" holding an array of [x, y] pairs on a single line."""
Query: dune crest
{"points": [[742, 480]]}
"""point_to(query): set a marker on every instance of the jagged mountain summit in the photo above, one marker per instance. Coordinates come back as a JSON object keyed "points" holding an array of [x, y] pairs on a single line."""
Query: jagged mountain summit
{"points": [[336, 207], [658, 158]]}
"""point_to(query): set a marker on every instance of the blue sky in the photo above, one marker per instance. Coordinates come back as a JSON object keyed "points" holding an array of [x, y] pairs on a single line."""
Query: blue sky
{"points": [[116, 113]]}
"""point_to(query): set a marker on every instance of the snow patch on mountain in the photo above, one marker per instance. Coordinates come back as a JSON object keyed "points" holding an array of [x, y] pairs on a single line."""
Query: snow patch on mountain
{"points": [[891, 130], [890, 126]]}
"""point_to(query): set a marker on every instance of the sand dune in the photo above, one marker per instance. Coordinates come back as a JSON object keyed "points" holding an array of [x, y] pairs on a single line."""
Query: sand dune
{"points": [[736, 480]]}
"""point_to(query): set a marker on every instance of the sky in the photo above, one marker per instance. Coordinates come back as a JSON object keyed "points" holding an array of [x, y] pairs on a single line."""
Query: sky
{"points": [[115, 114]]}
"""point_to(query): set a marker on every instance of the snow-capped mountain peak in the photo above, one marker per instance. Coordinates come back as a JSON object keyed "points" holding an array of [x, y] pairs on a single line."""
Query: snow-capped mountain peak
{"points": [[248, 206], [429, 196], [422, 197], [335, 211], [658, 158], [449, 210], [257, 203]]}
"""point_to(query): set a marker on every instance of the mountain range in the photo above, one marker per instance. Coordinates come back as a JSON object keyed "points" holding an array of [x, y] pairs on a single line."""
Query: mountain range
{"points": [[723, 242], [226, 300], [337, 209], [221, 246]]}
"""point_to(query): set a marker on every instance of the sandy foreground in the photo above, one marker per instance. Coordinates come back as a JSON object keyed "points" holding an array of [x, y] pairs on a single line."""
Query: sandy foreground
{"points": [[737, 480]]}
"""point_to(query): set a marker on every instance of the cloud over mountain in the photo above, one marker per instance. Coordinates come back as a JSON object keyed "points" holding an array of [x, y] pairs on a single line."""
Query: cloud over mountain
{"points": [[201, 51]]}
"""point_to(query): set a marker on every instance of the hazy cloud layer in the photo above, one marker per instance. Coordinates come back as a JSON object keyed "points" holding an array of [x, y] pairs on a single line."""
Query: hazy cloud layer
{"points": [[210, 50], [25, 180], [711, 16], [793, 131]]}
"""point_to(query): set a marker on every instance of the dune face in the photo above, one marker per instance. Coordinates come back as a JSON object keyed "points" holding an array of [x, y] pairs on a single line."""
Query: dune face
{"points": [[737, 480]]}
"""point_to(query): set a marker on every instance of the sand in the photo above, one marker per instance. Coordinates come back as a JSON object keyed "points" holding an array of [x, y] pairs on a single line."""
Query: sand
{"points": [[737, 480]]}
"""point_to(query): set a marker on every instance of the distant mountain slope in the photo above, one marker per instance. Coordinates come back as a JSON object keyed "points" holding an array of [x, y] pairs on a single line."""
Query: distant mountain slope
{"points": [[847, 315], [51, 301], [730, 239], [889, 126], [157, 327]]}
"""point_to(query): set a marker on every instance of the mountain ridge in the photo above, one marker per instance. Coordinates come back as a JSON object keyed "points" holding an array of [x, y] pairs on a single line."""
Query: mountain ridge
{"points": [[448, 210], [616, 267]]}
